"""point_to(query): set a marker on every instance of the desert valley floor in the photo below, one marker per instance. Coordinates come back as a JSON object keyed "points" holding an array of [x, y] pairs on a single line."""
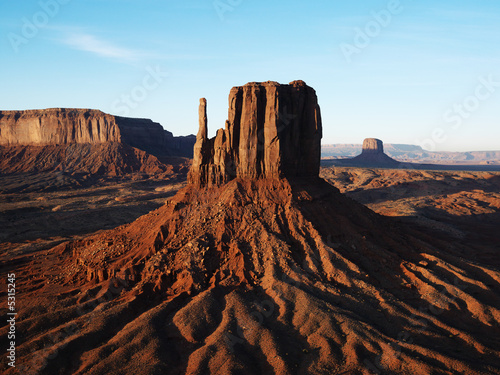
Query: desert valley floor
{"points": [[450, 207], [42, 210]]}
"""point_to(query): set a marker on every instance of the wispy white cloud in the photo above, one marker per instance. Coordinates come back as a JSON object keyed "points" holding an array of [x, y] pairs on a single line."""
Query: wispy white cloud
{"points": [[83, 41], [90, 43]]}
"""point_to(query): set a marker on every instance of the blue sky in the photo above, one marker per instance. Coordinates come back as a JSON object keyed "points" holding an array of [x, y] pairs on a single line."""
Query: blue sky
{"points": [[405, 71]]}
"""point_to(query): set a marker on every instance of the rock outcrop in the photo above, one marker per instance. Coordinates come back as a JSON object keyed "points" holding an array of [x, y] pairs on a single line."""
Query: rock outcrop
{"points": [[60, 126], [372, 155], [57, 126], [373, 146], [272, 131]]}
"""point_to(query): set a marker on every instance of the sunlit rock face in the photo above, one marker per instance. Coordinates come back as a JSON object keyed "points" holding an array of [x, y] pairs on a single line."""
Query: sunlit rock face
{"points": [[272, 131], [62, 126]]}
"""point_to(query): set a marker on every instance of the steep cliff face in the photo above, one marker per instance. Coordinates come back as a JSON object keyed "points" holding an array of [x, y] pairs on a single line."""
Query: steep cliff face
{"points": [[373, 146], [150, 136], [272, 131], [57, 126], [60, 126]]}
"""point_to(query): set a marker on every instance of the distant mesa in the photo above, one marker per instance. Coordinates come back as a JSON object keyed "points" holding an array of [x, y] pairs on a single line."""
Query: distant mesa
{"points": [[372, 155], [61, 126], [409, 157], [373, 146], [88, 142], [405, 153], [273, 130]]}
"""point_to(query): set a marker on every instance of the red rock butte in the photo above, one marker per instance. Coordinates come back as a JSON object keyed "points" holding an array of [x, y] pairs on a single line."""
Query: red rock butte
{"points": [[373, 146], [372, 155], [272, 130]]}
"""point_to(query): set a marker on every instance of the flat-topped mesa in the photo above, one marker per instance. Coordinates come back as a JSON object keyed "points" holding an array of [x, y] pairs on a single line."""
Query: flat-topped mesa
{"points": [[63, 126], [373, 146], [372, 155], [272, 131], [56, 126]]}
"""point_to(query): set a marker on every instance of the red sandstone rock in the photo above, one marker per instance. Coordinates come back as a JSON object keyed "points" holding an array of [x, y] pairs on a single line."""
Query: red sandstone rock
{"points": [[59, 126], [273, 130], [373, 146]]}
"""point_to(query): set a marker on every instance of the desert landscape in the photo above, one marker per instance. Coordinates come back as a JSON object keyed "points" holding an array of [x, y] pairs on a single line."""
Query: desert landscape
{"points": [[249, 258], [234, 187]]}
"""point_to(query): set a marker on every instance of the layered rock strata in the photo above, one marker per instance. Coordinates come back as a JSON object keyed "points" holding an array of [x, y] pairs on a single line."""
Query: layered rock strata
{"points": [[60, 126]]}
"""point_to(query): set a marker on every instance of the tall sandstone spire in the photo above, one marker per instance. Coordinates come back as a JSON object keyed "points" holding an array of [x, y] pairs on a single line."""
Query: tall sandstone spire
{"points": [[272, 131]]}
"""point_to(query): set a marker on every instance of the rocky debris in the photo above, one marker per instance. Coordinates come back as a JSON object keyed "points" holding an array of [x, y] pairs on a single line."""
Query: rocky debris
{"points": [[60, 126], [110, 159], [260, 274], [272, 131]]}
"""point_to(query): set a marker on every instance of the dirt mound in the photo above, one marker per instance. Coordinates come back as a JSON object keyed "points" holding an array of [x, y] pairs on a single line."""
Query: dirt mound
{"points": [[81, 164], [261, 276]]}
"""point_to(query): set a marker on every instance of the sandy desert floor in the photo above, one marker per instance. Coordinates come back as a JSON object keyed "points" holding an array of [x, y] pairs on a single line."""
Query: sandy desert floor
{"points": [[340, 282], [41, 210], [461, 206]]}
